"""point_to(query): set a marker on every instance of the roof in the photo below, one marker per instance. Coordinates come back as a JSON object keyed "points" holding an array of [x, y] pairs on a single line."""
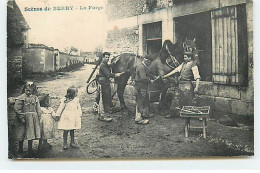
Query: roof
{"points": [[16, 25]]}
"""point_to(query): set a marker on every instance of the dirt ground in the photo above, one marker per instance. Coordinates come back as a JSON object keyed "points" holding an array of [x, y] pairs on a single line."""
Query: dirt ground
{"points": [[121, 139]]}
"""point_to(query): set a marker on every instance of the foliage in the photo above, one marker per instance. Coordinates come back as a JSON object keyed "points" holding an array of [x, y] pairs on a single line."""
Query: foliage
{"points": [[70, 50]]}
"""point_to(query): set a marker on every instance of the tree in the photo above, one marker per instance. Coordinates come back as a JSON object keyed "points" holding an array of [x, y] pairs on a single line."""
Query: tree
{"points": [[70, 50]]}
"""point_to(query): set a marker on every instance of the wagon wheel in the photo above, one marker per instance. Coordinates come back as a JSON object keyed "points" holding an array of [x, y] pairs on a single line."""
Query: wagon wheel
{"points": [[92, 86]]}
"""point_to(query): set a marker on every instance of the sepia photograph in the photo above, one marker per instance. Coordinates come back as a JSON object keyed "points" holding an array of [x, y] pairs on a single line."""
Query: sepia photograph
{"points": [[130, 79]]}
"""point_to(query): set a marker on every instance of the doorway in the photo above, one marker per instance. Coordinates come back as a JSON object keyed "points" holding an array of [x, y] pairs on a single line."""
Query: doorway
{"points": [[197, 26]]}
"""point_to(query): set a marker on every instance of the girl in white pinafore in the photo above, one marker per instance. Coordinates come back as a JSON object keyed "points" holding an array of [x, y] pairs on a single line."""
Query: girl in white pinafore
{"points": [[46, 122], [70, 114]]}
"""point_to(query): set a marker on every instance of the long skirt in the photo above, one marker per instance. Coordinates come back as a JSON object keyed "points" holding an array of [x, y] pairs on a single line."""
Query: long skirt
{"points": [[30, 129], [47, 127]]}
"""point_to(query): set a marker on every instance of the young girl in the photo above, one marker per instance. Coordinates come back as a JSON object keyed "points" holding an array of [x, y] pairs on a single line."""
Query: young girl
{"points": [[46, 122], [27, 120], [70, 113]]}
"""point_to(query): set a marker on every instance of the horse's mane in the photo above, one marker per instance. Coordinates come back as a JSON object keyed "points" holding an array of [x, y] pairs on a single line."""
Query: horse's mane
{"points": [[164, 54]]}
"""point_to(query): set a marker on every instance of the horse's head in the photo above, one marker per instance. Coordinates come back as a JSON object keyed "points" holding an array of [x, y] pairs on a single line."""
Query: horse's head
{"points": [[190, 47], [171, 54], [166, 50]]}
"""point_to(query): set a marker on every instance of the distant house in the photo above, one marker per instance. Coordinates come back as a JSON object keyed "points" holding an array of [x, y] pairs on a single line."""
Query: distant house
{"points": [[89, 56], [17, 40], [223, 31]]}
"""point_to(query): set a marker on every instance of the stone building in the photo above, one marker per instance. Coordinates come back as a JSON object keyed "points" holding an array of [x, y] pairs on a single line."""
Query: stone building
{"points": [[17, 41], [89, 56], [224, 35]]}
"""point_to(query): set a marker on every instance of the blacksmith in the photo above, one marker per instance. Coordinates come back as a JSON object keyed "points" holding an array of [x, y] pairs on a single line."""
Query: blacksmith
{"points": [[142, 79], [188, 70], [104, 80]]}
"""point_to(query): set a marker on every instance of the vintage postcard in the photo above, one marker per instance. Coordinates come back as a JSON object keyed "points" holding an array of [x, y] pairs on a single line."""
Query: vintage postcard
{"points": [[130, 79]]}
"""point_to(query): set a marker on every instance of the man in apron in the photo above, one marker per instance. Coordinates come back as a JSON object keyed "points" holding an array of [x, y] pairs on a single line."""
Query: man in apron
{"points": [[188, 70]]}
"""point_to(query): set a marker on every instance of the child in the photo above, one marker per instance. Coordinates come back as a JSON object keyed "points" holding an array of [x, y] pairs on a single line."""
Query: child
{"points": [[70, 113], [46, 122], [27, 120]]}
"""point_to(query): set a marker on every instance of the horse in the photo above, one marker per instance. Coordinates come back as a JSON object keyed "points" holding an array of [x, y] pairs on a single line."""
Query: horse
{"points": [[169, 57]]}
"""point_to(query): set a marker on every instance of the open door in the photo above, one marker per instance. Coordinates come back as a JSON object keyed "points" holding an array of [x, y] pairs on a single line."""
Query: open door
{"points": [[197, 26]]}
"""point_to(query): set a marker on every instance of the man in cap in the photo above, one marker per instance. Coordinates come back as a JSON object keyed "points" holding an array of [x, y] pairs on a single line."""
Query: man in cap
{"points": [[103, 79], [142, 79]]}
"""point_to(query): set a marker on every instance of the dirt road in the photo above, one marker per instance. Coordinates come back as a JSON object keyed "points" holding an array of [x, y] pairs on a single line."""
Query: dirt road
{"points": [[122, 138]]}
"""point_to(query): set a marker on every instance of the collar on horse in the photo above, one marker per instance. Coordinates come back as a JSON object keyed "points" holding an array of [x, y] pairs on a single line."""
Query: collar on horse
{"points": [[173, 59]]}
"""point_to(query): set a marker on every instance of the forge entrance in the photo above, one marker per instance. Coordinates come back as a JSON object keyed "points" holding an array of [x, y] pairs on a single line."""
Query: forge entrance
{"points": [[197, 26]]}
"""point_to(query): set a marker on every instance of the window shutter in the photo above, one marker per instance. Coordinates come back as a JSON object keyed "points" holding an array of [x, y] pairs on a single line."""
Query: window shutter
{"points": [[227, 65]]}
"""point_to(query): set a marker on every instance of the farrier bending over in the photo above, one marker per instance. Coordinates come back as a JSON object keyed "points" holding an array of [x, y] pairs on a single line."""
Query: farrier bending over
{"points": [[142, 79]]}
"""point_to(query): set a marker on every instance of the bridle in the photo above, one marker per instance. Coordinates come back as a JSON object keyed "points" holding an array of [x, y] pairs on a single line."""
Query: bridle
{"points": [[174, 60]]}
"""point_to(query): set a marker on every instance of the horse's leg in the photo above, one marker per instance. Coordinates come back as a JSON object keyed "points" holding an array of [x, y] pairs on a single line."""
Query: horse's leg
{"points": [[120, 91], [162, 107]]}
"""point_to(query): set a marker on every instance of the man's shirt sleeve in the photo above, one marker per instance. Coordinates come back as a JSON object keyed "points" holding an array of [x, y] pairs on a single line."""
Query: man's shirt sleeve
{"points": [[106, 71], [195, 72]]}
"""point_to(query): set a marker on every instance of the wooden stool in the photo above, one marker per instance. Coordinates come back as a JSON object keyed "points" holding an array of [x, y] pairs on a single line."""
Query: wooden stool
{"points": [[189, 112]]}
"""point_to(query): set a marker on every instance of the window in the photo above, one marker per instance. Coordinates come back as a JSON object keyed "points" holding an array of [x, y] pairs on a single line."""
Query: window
{"points": [[229, 45], [152, 37]]}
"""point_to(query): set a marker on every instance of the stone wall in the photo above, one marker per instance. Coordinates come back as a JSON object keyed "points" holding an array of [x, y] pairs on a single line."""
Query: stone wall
{"points": [[39, 60], [122, 40], [224, 98], [49, 60], [118, 9], [14, 64]]}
